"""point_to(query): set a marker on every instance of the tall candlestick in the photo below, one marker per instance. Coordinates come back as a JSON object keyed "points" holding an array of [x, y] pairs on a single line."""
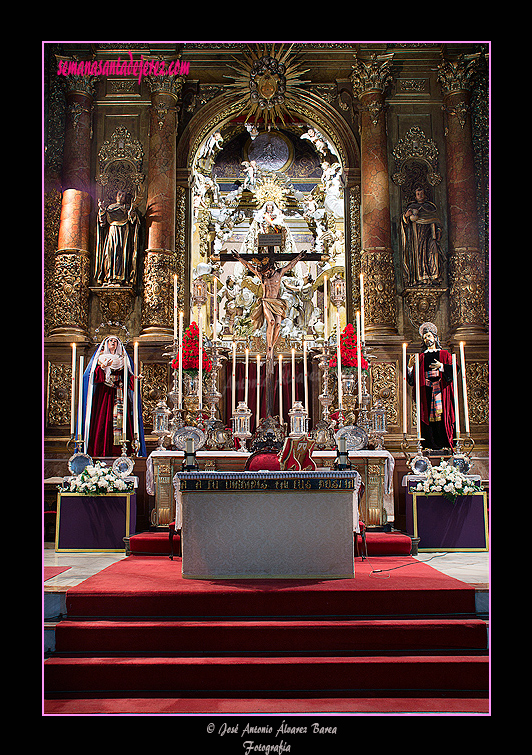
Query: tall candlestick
{"points": [[233, 381], [281, 388], [325, 309], [359, 362], [73, 392], [215, 315], [456, 405], [200, 362], [124, 401], [175, 307], [180, 364], [362, 317], [418, 401], [293, 376], [404, 389], [258, 389], [305, 373], [464, 386], [338, 359], [246, 382], [80, 397], [136, 389]]}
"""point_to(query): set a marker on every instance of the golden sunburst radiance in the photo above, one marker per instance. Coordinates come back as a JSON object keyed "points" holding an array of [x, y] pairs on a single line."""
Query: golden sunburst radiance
{"points": [[267, 82]]}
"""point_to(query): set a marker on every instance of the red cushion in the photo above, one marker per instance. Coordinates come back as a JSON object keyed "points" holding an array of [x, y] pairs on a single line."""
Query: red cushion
{"points": [[264, 461]]}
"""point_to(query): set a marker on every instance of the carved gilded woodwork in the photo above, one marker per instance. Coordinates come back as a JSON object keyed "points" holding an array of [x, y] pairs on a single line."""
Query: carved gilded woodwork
{"points": [[154, 386], [69, 297], [422, 304], [385, 388], [477, 374], [58, 394]]}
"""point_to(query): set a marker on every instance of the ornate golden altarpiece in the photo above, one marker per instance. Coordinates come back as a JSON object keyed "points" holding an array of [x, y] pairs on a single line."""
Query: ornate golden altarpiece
{"points": [[392, 116]]}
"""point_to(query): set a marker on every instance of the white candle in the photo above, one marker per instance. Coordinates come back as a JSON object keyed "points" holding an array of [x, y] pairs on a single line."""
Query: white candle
{"points": [[281, 388], [124, 402], [175, 307], [338, 359], [258, 389], [136, 389], [305, 373], [456, 405], [80, 397], [293, 376], [464, 386], [180, 364], [215, 316], [362, 317], [325, 309], [233, 387], [418, 401], [200, 362], [405, 389], [73, 392], [359, 362], [246, 382]]}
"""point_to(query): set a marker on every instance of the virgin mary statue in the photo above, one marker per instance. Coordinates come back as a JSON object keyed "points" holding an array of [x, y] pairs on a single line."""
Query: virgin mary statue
{"points": [[103, 401]]}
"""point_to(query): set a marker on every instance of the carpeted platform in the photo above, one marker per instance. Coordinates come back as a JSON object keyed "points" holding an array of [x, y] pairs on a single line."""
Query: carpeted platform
{"points": [[154, 587], [378, 544], [396, 635]]}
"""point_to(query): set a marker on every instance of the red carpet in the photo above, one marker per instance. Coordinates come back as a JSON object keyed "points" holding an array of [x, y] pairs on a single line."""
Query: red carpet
{"points": [[53, 571], [153, 587], [378, 544], [398, 638]]}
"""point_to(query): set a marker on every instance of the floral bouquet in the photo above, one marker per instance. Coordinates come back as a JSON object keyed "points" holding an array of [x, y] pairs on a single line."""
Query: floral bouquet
{"points": [[448, 480], [349, 353], [191, 353], [97, 479]]}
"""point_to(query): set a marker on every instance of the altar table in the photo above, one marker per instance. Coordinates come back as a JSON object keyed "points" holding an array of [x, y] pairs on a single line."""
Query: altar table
{"points": [[99, 523], [268, 525]]}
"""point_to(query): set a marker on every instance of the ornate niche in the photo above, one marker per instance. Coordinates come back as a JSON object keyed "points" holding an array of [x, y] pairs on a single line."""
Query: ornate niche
{"points": [[120, 170], [422, 259]]}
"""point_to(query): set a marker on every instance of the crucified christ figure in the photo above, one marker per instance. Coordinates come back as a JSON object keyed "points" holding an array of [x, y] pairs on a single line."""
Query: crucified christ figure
{"points": [[270, 308]]}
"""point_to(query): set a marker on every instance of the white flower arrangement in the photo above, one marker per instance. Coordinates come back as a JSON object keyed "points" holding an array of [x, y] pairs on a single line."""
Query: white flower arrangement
{"points": [[448, 480], [97, 479]]}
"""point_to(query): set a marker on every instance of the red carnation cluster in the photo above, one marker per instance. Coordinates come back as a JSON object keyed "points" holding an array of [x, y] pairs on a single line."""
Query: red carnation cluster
{"points": [[348, 351], [191, 351]]}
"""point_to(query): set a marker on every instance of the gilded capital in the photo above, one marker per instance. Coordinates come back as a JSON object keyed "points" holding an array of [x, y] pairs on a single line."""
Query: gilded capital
{"points": [[374, 75], [455, 76]]}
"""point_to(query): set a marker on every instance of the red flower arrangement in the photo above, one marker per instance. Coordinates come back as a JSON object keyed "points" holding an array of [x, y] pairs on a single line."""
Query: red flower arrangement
{"points": [[191, 352], [348, 352]]}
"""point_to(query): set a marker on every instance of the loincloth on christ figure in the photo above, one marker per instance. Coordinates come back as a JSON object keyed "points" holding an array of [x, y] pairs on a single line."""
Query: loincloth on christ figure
{"points": [[274, 307]]}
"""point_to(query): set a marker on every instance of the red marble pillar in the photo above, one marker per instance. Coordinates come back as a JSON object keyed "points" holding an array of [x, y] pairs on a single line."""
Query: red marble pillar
{"points": [[466, 259], [376, 263], [159, 262], [72, 261]]}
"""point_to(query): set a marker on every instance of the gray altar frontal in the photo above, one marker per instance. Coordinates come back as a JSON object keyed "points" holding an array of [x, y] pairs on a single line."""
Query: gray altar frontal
{"points": [[268, 525]]}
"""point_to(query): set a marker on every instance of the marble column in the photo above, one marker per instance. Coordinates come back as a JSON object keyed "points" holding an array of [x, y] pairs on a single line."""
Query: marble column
{"points": [[466, 259], [369, 83], [70, 287], [159, 261]]}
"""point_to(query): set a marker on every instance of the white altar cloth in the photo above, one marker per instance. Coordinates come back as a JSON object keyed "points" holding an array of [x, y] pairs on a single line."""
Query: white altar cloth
{"points": [[268, 525]]}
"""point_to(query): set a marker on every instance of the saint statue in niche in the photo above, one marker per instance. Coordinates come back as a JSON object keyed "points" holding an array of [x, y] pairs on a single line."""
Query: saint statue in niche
{"points": [[117, 242], [421, 231]]}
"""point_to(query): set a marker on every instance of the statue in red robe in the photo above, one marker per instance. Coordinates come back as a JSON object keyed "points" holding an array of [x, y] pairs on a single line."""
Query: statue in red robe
{"points": [[436, 390]]}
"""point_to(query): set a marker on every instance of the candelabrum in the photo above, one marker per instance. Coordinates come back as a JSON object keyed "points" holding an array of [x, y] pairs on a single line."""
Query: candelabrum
{"points": [[323, 432], [218, 436]]}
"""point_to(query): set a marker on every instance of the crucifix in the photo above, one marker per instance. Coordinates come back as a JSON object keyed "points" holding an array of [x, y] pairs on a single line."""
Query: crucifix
{"points": [[270, 307]]}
